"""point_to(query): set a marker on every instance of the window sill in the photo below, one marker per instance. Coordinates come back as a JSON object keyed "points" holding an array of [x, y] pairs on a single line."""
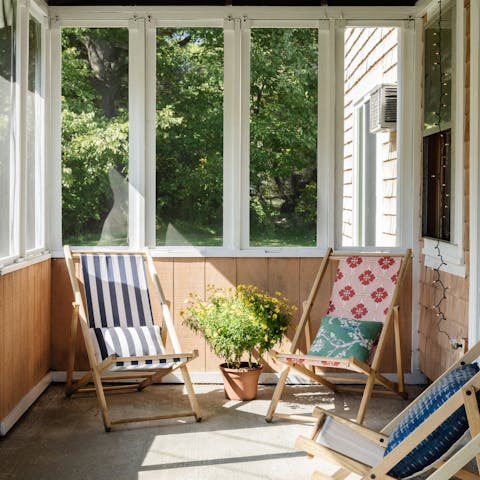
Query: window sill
{"points": [[253, 252], [452, 257], [20, 263]]}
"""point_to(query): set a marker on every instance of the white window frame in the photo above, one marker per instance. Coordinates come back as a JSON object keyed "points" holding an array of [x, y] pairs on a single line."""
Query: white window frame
{"points": [[452, 252], [236, 22], [19, 256], [474, 283]]}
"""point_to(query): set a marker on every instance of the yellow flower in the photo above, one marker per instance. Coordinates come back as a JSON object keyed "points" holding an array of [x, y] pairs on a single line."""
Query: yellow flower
{"points": [[274, 316]]}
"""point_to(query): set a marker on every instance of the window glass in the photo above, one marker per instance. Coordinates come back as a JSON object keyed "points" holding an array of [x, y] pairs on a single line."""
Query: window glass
{"points": [[189, 137], [370, 163], [95, 136], [7, 109], [34, 158], [283, 137], [437, 153]]}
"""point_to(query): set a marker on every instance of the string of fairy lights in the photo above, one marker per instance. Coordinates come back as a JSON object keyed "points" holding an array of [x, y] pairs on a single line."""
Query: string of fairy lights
{"points": [[444, 194]]}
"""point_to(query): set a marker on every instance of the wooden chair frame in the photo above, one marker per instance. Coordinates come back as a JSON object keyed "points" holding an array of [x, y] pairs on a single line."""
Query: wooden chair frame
{"points": [[453, 466], [145, 376], [300, 362]]}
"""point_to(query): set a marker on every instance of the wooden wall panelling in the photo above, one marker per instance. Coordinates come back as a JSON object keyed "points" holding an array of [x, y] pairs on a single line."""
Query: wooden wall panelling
{"points": [[253, 271], [62, 298], [42, 325], [25, 330], [220, 272], [3, 329], [188, 278], [308, 271], [15, 339], [284, 277]]}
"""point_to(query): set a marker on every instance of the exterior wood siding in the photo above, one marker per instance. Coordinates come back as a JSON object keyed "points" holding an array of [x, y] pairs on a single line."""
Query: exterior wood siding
{"points": [[181, 276], [370, 59], [24, 333], [436, 355]]}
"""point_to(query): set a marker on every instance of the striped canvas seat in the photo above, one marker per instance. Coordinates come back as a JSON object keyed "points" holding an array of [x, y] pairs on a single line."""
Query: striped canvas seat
{"points": [[122, 341], [119, 311]]}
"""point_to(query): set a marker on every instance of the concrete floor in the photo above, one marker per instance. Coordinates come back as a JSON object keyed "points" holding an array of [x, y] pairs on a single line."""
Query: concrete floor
{"points": [[64, 439]]}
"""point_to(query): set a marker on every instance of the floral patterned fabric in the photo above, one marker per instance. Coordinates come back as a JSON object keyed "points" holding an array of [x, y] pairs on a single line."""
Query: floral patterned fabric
{"points": [[363, 287], [343, 338]]}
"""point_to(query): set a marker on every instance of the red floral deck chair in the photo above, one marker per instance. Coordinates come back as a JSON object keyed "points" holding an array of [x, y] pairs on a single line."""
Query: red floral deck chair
{"points": [[362, 311]]}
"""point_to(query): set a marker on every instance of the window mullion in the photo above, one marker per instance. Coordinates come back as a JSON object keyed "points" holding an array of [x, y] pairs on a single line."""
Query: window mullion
{"points": [[20, 195], [408, 95], [53, 183], [136, 123], [245, 135], [326, 135], [337, 136], [231, 137], [150, 131]]}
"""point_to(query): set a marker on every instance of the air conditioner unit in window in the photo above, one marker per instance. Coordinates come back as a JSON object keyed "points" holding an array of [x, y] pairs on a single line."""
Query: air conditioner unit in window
{"points": [[383, 108]]}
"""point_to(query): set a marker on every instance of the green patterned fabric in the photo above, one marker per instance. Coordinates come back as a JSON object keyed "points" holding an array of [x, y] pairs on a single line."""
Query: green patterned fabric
{"points": [[343, 338]]}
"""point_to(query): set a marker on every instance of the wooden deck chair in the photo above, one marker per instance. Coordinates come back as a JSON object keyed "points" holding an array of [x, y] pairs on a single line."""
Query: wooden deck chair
{"points": [[439, 430], [362, 311], [121, 339]]}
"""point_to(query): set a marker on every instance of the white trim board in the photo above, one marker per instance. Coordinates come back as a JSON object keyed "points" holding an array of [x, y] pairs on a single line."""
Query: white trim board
{"points": [[214, 377], [25, 403]]}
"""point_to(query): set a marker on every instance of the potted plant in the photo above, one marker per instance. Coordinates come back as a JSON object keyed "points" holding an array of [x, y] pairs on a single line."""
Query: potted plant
{"points": [[238, 323]]}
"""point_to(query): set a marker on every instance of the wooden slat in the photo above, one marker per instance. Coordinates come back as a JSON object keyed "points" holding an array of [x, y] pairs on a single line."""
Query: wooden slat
{"points": [[24, 332], [188, 278], [3, 329], [221, 272], [284, 277]]}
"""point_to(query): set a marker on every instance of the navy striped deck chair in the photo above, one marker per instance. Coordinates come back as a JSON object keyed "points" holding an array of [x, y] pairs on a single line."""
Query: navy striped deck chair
{"points": [[122, 340]]}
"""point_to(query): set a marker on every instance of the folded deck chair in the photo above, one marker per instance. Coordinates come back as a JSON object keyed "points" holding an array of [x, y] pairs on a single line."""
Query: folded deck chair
{"points": [[353, 332], [439, 430], [121, 338]]}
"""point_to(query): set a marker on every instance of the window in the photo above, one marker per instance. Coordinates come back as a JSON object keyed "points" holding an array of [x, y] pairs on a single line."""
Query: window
{"points": [[437, 164], [22, 121], [370, 163], [443, 142], [283, 137], [7, 117], [223, 137], [189, 137], [365, 161], [34, 165], [95, 136]]}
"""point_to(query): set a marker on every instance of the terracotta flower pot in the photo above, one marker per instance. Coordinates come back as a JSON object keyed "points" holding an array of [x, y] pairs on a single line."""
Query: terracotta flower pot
{"points": [[241, 383]]}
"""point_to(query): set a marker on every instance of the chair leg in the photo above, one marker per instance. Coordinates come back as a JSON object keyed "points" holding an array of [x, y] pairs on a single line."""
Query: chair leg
{"points": [[398, 351], [102, 402], [192, 397], [277, 394], [71, 355], [367, 393]]}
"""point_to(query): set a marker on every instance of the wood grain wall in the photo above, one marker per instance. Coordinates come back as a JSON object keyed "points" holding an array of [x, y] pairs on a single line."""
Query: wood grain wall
{"points": [[181, 276], [435, 352], [24, 332]]}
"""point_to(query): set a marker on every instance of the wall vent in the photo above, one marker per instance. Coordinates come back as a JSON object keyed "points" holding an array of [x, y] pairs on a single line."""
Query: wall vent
{"points": [[383, 108]]}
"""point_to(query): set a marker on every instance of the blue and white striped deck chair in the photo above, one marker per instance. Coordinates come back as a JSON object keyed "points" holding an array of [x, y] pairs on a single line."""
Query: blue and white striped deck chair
{"points": [[121, 338], [436, 437]]}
